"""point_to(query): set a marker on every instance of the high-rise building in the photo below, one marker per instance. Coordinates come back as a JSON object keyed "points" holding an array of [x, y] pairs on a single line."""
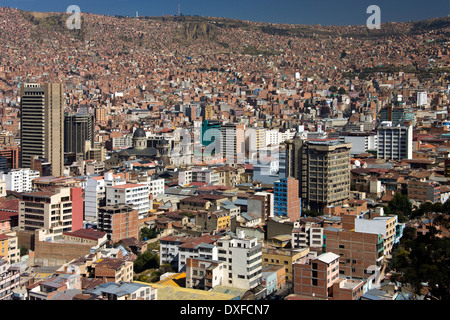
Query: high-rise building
{"points": [[209, 131], [11, 155], [95, 193], [422, 99], [100, 115], [42, 120], [207, 112], [322, 167], [286, 200], [78, 128], [398, 115], [447, 167], [233, 142], [394, 141], [387, 226]]}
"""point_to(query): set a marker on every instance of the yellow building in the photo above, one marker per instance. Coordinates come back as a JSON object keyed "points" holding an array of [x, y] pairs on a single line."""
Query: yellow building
{"points": [[213, 221], [283, 257], [3, 246], [9, 248], [209, 112]]}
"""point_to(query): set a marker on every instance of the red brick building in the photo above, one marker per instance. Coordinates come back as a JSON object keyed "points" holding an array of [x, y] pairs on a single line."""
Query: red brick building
{"points": [[119, 222], [286, 199], [318, 277], [360, 253]]}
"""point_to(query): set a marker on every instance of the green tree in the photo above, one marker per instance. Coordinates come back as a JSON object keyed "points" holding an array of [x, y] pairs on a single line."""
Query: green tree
{"points": [[333, 89], [23, 251], [146, 260], [342, 91], [423, 259], [401, 206], [310, 213], [147, 233]]}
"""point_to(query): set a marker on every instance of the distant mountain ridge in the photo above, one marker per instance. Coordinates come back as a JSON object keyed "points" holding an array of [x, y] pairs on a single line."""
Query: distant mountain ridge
{"points": [[145, 44], [196, 27]]}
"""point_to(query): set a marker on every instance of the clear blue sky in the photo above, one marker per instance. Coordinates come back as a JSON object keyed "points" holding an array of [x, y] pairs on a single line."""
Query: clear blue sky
{"points": [[325, 12]]}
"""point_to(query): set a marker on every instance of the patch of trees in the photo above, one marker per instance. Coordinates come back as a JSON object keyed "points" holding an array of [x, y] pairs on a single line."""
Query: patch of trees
{"points": [[146, 260], [147, 233], [424, 260]]}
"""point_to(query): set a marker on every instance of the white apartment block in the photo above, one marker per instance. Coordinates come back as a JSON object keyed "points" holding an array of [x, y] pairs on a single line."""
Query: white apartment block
{"points": [[95, 192], [239, 257], [242, 258], [136, 195], [184, 177], [9, 279], [49, 211], [395, 142], [286, 135], [124, 141], [272, 137], [172, 248], [309, 235], [2, 188], [422, 98], [156, 187], [232, 142], [203, 174], [275, 137], [195, 250], [204, 274], [20, 180], [361, 141]]}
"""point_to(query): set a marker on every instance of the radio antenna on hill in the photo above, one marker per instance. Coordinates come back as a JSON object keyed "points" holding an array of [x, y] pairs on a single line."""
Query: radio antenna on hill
{"points": [[179, 9]]}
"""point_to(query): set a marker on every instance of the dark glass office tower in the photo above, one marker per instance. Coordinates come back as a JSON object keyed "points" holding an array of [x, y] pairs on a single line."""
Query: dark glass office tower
{"points": [[78, 129], [41, 124]]}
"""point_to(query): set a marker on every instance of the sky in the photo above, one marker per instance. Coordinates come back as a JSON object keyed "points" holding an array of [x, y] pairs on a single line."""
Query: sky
{"points": [[309, 12]]}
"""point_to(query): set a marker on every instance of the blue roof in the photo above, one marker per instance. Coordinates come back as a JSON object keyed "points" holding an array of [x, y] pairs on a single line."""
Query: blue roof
{"points": [[116, 289], [240, 202]]}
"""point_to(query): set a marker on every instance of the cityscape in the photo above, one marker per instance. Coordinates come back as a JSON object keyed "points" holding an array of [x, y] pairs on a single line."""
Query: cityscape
{"points": [[193, 158]]}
